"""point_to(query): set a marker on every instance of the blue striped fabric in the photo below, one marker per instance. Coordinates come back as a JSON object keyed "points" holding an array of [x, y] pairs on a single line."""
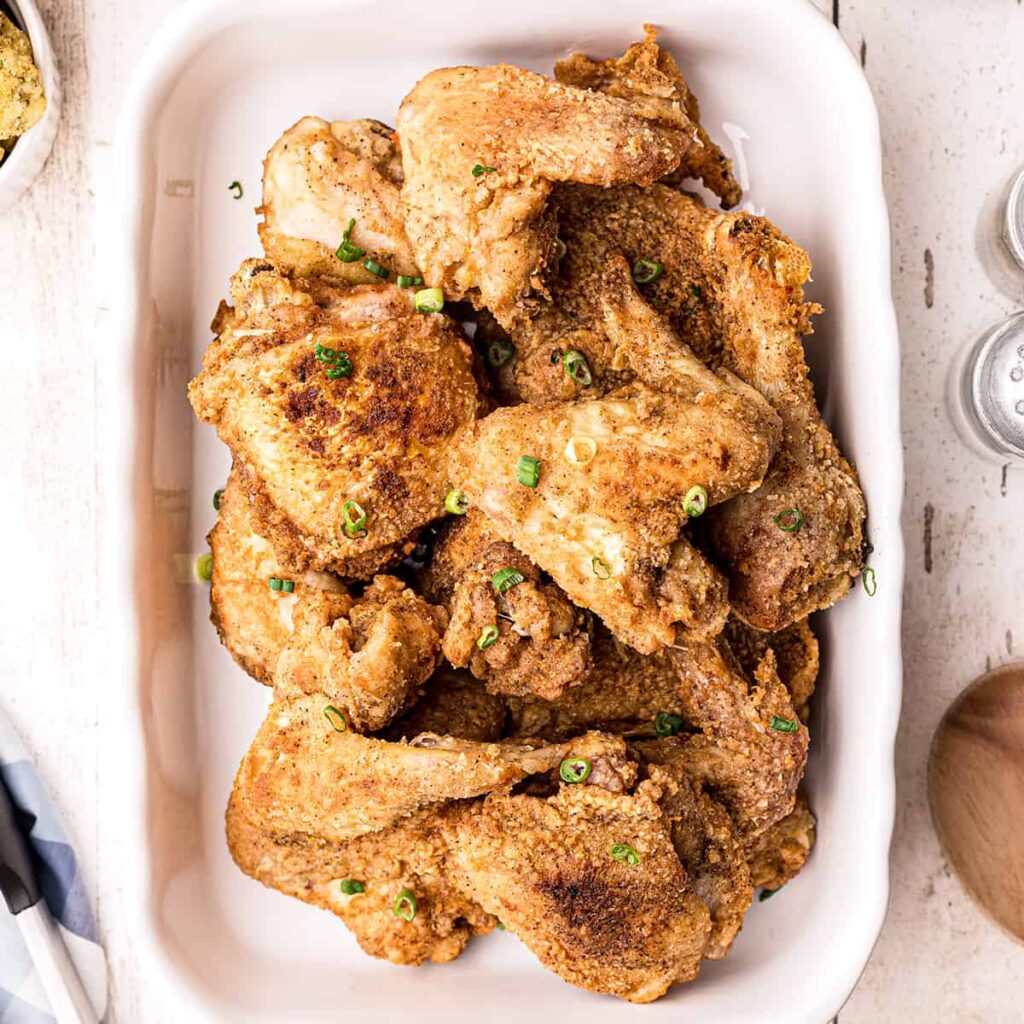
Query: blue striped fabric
{"points": [[22, 1000]]}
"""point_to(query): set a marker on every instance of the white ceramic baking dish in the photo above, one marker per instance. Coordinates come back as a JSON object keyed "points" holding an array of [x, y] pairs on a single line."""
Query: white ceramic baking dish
{"points": [[219, 83]]}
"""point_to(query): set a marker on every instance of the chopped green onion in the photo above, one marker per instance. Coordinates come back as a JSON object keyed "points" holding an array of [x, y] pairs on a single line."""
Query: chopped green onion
{"points": [[349, 252], [666, 724], [339, 723], [789, 520], [236, 188], [646, 271], [867, 579], [456, 502], [409, 282], [405, 905], [766, 894], [338, 362], [350, 887], [625, 853], [696, 292], [488, 637], [575, 769], [602, 570], [577, 367], [479, 169], [696, 501], [528, 470], [783, 724], [505, 579], [500, 927], [288, 586], [375, 268], [429, 300], [499, 352], [217, 496], [204, 567], [355, 519], [342, 369], [275, 583]]}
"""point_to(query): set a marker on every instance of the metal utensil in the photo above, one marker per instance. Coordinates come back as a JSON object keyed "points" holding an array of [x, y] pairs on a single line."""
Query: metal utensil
{"points": [[68, 999]]}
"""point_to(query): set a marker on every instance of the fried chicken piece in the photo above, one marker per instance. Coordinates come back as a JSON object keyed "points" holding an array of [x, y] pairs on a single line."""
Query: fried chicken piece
{"points": [[707, 847], [490, 236], [320, 175], [543, 644], [609, 530], [545, 868], [780, 852], [371, 662], [453, 704], [409, 857], [796, 656], [303, 775], [316, 449], [646, 70]]}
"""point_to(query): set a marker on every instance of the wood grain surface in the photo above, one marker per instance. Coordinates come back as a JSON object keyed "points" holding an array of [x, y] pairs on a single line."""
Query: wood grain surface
{"points": [[949, 83]]}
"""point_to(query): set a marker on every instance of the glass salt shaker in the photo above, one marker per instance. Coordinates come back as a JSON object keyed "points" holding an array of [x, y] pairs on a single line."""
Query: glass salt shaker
{"points": [[1000, 238]]}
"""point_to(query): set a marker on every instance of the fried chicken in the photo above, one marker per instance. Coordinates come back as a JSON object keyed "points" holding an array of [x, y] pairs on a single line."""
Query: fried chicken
{"points": [[481, 149], [609, 529], [339, 407], [543, 643], [548, 870], [645, 70], [407, 858], [781, 851], [317, 177]]}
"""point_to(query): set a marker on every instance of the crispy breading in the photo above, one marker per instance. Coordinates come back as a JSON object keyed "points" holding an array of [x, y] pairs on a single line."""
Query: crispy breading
{"points": [[308, 445], [317, 177], [22, 99], [543, 643], [490, 236], [780, 852], [545, 869]]}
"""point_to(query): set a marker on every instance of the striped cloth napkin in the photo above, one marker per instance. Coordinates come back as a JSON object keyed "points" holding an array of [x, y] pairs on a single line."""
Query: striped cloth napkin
{"points": [[22, 1000]]}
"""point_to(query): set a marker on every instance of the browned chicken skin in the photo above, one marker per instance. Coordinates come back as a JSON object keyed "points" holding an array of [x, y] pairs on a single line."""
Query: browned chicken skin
{"points": [[543, 643], [778, 855]]}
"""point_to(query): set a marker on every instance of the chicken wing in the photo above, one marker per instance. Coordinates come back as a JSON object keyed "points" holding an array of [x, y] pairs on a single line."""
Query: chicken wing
{"points": [[542, 644], [339, 407], [550, 870], [481, 148], [361, 880], [646, 70], [318, 177], [780, 852]]}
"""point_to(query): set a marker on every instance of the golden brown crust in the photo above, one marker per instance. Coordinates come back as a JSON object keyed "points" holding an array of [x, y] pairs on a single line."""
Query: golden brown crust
{"points": [[781, 851]]}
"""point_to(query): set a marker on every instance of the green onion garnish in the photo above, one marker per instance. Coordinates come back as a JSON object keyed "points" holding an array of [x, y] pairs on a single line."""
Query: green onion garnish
{"points": [[288, 586], [343, 369], [375, 268], [766, 894], [783, 724], [625, 853], [204, 567], [348, 252], [500, 927], [499, 352], [275, 583], [409, 282], [488, 637], [867, 578], [355, 519], [666, 724], [479, 169], [696, 292], [405, 905], [236, 188], [217, 496], [456, 502], [575, 769], [646, 271], [338, 363], [350, 887], [789, 520], [696, 501], [602, 570], [577, 367], [339, 723], [429, 300], [528, 470], [505, 579]]}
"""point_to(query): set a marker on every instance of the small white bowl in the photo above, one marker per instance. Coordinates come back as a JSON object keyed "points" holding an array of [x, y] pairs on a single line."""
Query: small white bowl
{"points": [[26, 159]]}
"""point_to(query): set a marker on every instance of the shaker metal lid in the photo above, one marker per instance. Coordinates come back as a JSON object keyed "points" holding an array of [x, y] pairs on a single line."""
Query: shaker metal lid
{"points": [[1013, 218], [997, 383]]}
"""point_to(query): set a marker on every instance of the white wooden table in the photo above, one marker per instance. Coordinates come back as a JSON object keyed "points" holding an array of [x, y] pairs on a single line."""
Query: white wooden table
{"points": [[949, 82]]}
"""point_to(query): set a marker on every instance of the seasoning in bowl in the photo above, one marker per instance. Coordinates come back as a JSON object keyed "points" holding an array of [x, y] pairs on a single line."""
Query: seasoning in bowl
{"points": [[22, 101]]}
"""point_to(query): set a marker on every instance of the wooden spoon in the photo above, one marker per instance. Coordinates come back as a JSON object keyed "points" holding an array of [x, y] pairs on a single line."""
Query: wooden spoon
{"points": [[976, 793]]}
